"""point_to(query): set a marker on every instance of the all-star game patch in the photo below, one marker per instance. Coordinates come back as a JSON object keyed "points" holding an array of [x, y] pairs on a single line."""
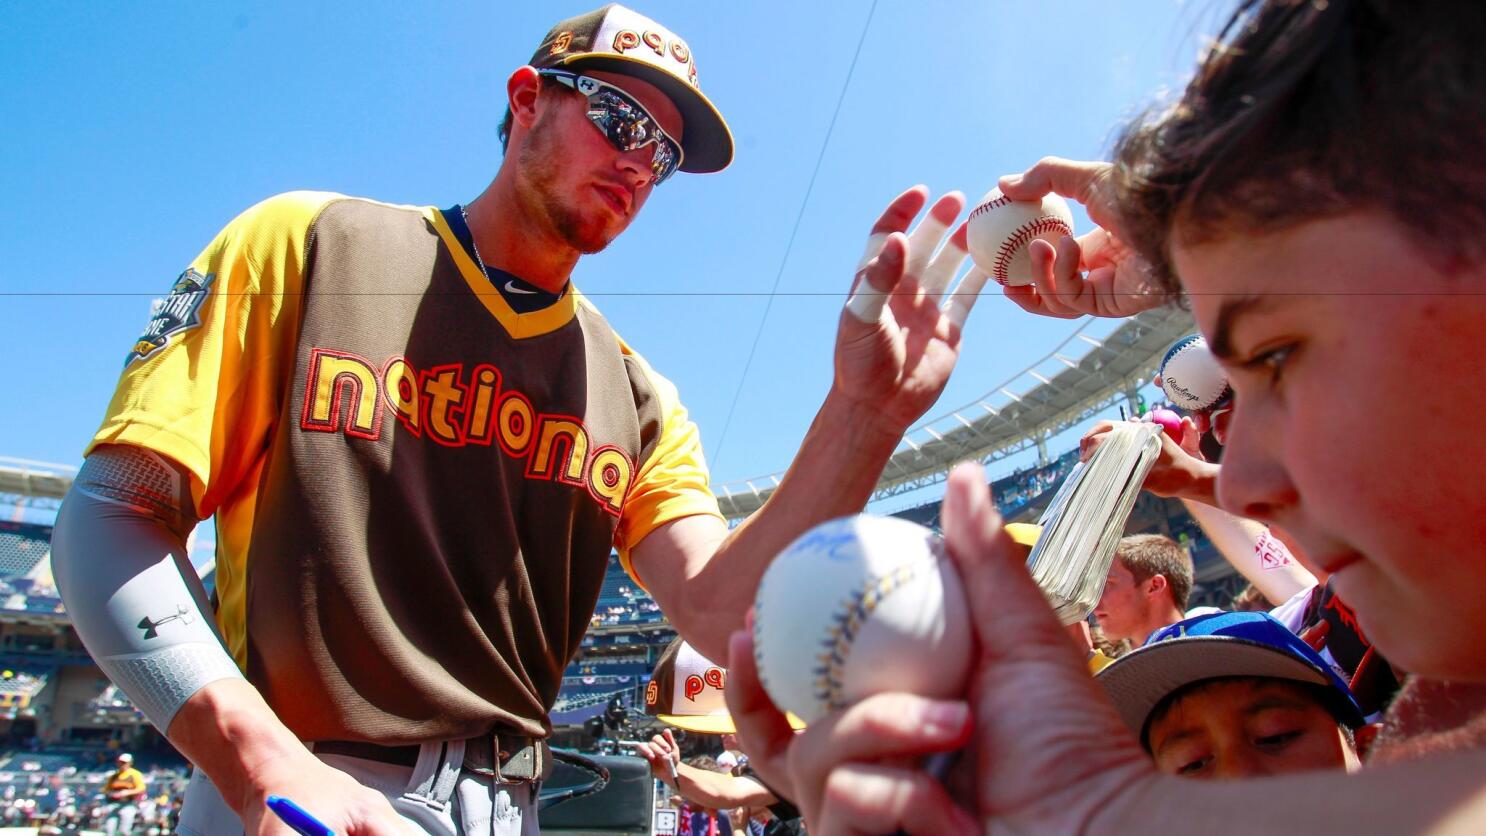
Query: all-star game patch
{"points": [[180, 311]]}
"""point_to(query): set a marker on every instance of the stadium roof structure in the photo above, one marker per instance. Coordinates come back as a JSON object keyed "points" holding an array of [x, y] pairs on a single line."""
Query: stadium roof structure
{"points": [[34, 480], [1102, 363]]}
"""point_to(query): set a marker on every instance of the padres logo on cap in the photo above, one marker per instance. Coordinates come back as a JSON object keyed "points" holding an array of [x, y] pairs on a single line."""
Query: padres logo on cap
{"points": [[686, 691]]}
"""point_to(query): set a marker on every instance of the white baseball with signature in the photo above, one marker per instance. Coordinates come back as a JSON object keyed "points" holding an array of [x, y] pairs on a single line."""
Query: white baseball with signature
{"points": [[1000, 229], [857, 606]]}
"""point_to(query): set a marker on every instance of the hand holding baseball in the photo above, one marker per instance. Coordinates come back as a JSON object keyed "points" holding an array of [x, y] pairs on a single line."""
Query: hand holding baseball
{"points": [[852, 609], [1049, 752], [857, 606], [847, 771], [1095, 274]]}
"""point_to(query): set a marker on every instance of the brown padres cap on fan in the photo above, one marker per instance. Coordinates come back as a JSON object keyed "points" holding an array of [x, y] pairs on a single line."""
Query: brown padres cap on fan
{"points": [[686, 691], [620, 40]]}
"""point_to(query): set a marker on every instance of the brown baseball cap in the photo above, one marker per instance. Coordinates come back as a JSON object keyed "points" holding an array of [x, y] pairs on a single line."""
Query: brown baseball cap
{"points": [[686, 691], [621, 40]]}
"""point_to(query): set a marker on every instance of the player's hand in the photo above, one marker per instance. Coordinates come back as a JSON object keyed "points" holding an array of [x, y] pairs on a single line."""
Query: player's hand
{"points": [[663, 755], [332, 796], [855, 771], [1179, 471], [899, 335], [1095, 273]]}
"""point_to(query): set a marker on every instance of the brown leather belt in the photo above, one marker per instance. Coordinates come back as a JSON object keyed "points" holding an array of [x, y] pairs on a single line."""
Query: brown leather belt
{"points": [[508, 758]]}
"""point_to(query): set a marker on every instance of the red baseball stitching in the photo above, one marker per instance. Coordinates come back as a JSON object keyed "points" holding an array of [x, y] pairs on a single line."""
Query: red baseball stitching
{"points": [[1023, 236], [989, 205]]}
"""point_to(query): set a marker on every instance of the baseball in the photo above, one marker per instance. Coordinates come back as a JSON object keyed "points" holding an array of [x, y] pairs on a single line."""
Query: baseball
{"points": [[1191, 376], [858, 606], [1001, 228]]}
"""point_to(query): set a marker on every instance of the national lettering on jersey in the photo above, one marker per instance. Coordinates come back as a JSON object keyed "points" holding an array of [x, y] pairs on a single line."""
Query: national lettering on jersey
{"points": [[454, 406], [178, 312]]}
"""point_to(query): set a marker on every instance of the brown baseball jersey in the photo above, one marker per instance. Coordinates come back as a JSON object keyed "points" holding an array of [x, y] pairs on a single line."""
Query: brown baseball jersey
{"points": [[416, 488]]}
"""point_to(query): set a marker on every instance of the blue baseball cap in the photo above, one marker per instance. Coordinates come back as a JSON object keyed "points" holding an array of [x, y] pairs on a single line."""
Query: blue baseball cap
{"points": [[1216, 646]]}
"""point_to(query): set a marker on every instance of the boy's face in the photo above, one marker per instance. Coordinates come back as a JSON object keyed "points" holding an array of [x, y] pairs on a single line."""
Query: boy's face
{"points": [[1247, 728], [1355, 364], [1123, 607]]}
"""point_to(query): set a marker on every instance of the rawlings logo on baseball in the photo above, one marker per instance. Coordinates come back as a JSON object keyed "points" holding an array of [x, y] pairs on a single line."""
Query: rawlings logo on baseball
{"points": [[1001, 229], [1191, 376]]}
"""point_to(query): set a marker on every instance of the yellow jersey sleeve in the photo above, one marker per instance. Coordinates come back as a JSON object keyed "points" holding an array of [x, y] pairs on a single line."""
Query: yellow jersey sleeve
{"points": [[204, 383], [673, 481]]}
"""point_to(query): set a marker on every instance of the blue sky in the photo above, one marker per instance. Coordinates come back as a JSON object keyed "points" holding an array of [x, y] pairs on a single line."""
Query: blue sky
{"points": [[134, 131]]}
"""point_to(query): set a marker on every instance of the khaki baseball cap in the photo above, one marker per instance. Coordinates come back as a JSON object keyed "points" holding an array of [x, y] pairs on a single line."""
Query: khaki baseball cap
{"points": [[621, 40], [686, 691], [1025, 534]]}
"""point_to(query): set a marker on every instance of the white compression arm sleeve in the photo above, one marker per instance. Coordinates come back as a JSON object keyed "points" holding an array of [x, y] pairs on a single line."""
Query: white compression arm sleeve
{"points": [[119, 559]]}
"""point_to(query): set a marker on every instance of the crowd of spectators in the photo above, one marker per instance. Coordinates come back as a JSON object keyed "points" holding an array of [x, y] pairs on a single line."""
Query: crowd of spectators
{"points": [[620, 602], [1012, 492], [26, 595], [111, 698], [1189, 534], [19, 687], [71, 797], [629, 612]]}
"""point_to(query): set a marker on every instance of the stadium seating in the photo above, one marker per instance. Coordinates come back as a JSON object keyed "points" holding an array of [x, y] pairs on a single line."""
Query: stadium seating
{"points": [[1013, 494], [43, 761], [621, 601], [22, 546], [18, 687]]}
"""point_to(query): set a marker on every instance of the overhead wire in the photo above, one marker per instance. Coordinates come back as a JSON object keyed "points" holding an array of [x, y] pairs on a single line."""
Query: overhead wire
{"points": [[790, 245]]}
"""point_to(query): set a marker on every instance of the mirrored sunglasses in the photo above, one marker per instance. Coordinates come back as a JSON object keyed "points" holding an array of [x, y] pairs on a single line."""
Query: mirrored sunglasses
{"points": [[623, 121]]}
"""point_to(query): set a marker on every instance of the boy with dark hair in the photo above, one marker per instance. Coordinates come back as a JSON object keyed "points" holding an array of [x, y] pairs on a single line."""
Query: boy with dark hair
{"points": [[1318, 195], [1234, 695], [1148, 586]]}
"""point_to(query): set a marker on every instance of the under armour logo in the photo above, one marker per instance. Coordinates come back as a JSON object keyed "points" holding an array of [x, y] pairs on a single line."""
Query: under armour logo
{"points": [[151, 627], [587, 86]]}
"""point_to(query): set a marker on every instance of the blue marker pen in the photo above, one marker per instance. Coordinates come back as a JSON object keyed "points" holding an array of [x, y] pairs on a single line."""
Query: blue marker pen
{"points": [[298, 819]]}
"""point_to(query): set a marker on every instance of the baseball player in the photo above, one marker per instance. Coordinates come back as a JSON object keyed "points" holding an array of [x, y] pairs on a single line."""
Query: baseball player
{"points": [[125, 786], [420, 441]]}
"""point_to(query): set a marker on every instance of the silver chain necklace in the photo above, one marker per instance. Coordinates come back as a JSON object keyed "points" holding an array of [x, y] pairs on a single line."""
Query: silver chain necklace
{"points": [[479, 262], [485, 271]]}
